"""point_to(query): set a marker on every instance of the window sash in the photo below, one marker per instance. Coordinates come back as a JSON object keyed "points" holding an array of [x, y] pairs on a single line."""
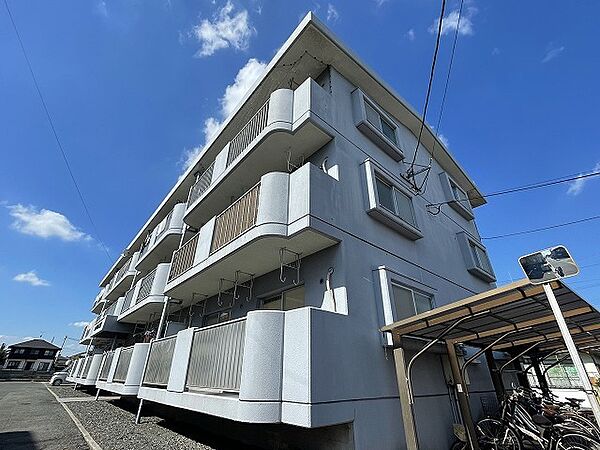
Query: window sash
{"points": [[409, 302], [480, 257], [394, 200], [458, 193], [385, 126], [287, 300]]}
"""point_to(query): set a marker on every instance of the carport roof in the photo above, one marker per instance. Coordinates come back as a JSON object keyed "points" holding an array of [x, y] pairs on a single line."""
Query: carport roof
{"points": [[519, 308]]}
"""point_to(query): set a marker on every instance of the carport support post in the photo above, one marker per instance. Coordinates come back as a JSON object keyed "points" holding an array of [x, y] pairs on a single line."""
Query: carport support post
{"points": [[535, 362], [573, 352], [408, 418], [139, 412], [495, 374], [463, 400]]}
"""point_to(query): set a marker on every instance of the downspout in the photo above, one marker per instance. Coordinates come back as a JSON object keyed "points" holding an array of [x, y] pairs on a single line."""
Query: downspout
{"points": [[329, 288]]}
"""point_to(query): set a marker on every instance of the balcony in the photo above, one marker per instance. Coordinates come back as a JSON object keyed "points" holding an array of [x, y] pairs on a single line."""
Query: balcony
{"points": [[147, 298], [162, 240], [122, 369], [272, 225], [268, 367], [122, 279], [285, 131], [99, 302], [106, 324], [87, 371]]}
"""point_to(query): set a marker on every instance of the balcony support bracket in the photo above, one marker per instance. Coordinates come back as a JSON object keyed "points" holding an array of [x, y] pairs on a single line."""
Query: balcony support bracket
{"points": [[294, 264]]}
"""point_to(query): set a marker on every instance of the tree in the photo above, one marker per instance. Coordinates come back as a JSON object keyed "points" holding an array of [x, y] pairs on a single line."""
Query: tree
{"points": [[3, 353]]}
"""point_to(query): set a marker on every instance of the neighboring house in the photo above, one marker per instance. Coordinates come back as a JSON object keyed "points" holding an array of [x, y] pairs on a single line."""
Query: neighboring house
{"points": [[271, 265], [34, 354]]}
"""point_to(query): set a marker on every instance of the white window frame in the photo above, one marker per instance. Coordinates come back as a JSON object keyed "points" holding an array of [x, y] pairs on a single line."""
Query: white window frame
{"points": [[386, 278], [465, 242], [373, 171], [462, 207], [359, 99]]}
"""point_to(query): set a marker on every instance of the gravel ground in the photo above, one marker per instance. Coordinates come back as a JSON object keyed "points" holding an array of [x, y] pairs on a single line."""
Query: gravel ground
{"points": [[67, 391], [112, 427]]}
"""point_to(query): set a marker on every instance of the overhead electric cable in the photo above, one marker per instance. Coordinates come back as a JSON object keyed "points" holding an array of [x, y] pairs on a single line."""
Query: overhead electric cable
{"points": [[527, 187], [50, 121], [410, 171], [536, 230], [423, 186]]}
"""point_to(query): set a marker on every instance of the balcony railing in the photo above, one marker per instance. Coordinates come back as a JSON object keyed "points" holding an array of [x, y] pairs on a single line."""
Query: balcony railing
{"points": [[164, 225], [159, 362], [202, 184], [123, 364], [145, 287], [127, 303], [236, 219], [122, 271], [216, 357], [86, 368], [108, 359], [183, 258], [251, 130]]}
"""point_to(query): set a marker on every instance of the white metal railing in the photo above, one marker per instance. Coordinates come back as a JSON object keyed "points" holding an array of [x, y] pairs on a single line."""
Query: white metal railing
{"points": [[183, 258], [216, 357], [145, 286], [164, 225], [121, 272], [123, 364], [108, 359], [202, 184], [86, 368], [127, 302], [159, 361], [236, 219], [248, 133]]}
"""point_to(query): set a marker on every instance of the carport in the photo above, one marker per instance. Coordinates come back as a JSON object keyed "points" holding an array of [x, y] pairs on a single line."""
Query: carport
{"points": [[515, 318]]}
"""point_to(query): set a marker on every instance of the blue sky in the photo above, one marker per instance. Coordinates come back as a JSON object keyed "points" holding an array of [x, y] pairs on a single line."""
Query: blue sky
{"points": [[134, 87]]}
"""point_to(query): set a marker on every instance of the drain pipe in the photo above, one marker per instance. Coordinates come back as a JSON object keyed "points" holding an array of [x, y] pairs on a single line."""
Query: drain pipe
{"points": [[163, 318], [329, 288]]}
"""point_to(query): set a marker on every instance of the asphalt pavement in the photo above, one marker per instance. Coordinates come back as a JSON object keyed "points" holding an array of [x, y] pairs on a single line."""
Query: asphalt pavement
{"points": [[32, 419]]}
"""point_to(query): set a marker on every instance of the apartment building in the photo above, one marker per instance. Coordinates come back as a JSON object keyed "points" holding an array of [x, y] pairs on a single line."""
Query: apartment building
{"points": [[256, 290]]}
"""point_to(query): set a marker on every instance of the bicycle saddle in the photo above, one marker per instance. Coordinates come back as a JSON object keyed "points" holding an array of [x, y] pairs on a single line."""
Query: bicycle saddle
{"points": [[541, 421]]}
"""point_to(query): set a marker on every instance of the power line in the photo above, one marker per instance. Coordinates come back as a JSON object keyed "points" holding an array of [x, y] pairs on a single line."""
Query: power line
{"points": [[526, 187], [50, 121], [536, 230], [423, 186], [410, 171]]}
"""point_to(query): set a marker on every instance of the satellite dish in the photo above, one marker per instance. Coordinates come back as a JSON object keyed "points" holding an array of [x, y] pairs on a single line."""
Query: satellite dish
{"points": [[547, 265]]}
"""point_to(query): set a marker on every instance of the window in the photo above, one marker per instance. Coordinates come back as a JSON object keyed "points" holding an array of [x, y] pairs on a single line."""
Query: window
{"points": [[456, 197], [395, 201], [376, 124], [48, 352], [35, 352], [13, 365], [291, 299], [19, 351], [409, 302], [215, 318], [43, 367], [480, 257], [476, 257], [389, 202]]}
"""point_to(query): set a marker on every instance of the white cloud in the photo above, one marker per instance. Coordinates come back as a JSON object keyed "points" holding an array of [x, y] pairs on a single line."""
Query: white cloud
{"points": [[450, 22], [101, 8], [444, 140], [226, 29], [410, 35], [80, 324], [495, 51], [234, 93], [380, 3], [552, 51], [577, 186], [332, 13], [44, 223], [31, 278]]}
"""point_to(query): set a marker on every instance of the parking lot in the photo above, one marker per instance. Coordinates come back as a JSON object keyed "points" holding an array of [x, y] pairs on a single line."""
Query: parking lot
{"points": [[31, 417]]}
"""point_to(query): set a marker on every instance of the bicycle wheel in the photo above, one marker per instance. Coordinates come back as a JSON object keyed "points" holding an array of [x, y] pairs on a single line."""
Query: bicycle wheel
{"points": [[581, 423], [577, 441], [497, 435]]}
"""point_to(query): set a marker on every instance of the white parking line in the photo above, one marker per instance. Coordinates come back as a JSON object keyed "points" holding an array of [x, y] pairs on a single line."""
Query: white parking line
{"points": [[88, 439]]}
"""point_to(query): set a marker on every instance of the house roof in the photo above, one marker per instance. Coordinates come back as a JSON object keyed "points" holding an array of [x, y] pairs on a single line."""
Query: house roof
{"points": [[309, 49], [35, 343]]}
